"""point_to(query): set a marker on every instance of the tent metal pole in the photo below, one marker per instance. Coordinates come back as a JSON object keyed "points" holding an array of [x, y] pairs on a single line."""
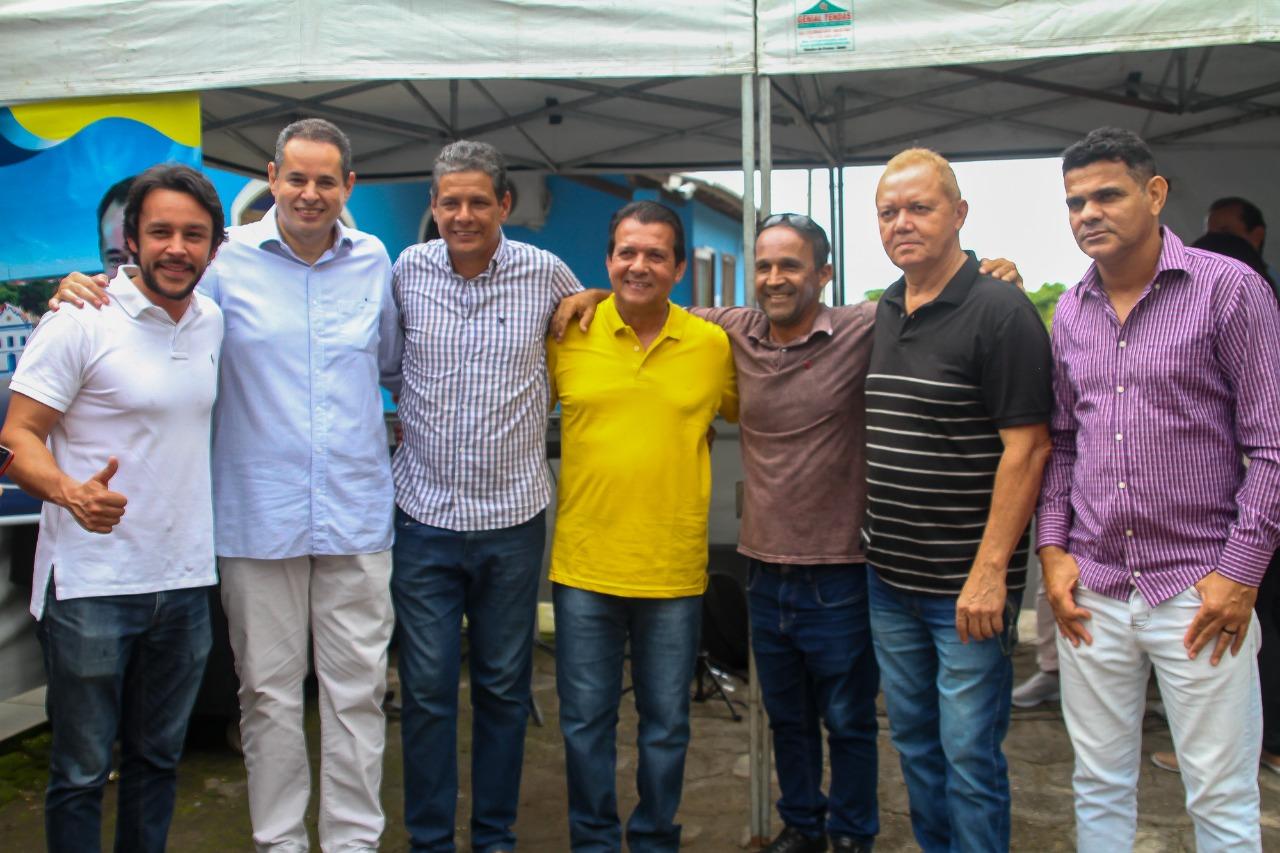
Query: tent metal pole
{"points": [[765, 114], [835, 235], [758, 757], [748, 185], [761, 765], [840, 202], [841, 281]]}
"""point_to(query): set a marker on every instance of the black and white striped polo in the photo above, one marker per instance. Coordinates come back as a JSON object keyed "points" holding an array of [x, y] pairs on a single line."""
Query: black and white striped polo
{"points": [[942, 383]]}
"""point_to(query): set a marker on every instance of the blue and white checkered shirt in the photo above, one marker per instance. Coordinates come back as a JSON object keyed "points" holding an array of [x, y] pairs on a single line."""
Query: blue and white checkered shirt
{"points": [[475, 397]]}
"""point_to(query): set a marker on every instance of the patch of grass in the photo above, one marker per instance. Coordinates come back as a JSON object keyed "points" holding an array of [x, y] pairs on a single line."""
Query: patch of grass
{"points": [[24, 767]]}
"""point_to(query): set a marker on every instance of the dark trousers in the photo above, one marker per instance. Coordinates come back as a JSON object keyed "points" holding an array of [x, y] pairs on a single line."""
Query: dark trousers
{"points": [[127, 665]]}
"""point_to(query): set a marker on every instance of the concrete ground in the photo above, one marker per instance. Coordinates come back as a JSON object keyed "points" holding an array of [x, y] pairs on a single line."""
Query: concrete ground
{"points": [[212, 814]]}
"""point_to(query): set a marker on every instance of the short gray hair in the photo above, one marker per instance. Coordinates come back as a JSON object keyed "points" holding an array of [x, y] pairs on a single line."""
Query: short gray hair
{"points": [[467, 155], [315, 130]]}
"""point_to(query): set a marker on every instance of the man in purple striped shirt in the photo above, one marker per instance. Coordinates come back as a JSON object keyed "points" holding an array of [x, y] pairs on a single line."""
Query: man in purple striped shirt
{"points": [[1153, 533]]}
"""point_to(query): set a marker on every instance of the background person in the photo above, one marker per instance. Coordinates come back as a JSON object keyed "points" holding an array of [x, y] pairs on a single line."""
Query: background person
{"points": [[113, 249]]}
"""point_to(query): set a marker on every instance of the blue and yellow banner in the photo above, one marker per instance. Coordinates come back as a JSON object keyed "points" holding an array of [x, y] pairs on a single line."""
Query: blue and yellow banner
{"points": [[59, 158]]}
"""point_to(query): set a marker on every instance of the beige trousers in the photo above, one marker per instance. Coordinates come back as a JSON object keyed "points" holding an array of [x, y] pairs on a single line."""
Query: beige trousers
{"points": [[340, 607]]}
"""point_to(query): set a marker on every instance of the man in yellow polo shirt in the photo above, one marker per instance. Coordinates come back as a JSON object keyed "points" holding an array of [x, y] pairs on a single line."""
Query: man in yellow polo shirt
{"points": [[638, 392]]}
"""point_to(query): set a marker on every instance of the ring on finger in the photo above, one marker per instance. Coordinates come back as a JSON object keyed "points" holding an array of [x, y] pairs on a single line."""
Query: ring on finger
{"points": [[1232, 633]]}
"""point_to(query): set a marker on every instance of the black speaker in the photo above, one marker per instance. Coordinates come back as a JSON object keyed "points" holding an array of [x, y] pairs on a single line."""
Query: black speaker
{"points": [[724, 610]]}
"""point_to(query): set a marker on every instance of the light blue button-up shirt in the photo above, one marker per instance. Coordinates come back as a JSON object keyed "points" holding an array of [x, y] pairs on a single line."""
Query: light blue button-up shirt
{"points": [[300, 458]]}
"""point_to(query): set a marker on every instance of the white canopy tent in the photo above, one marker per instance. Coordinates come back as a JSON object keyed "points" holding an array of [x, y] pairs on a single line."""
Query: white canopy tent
{"points": [[570, 87]]}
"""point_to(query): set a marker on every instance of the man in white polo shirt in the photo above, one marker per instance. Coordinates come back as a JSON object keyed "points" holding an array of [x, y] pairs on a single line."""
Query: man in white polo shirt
{"points": [[123, 399]]}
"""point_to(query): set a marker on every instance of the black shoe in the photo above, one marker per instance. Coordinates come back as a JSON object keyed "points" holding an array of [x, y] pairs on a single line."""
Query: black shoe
{"points": [[792, 840], [849, 844]]}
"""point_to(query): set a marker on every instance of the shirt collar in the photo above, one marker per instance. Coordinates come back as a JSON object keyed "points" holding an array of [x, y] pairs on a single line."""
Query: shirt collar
{"points": [[1173, 258], [759, 332], [438, 253], [133, 300], [674, 327], [955, 293], [266, 231]]}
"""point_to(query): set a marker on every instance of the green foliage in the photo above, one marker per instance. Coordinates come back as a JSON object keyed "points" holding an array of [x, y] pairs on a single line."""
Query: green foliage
{"points": [[1046, 300], [30, 295], [874, 295]]}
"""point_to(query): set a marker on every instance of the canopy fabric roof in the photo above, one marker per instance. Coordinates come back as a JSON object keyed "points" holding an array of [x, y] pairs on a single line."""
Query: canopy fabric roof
{"points": [[74, 48], [607, 86], [897, 34]]}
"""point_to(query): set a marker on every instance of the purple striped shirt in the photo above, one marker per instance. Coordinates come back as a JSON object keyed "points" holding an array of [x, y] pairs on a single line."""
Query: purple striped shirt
{"points": [[1147, 487], [475, 397]]}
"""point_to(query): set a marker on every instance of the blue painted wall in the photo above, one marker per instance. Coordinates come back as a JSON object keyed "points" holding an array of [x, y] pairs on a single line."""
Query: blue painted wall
{"points": [[576, 226], [714, 230]]}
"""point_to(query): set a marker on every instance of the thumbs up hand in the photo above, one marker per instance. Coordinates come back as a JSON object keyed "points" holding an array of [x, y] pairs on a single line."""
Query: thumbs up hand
{"points": [[95, 507]]}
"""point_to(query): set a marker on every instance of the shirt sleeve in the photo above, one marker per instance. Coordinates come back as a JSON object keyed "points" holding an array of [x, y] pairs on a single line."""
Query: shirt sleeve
{"points": [[390, 336], [553, 351], [51, 369], [1054, 514], [210, 284], [1248, 350], [1017, 370], [729, 395], [563, 281]]}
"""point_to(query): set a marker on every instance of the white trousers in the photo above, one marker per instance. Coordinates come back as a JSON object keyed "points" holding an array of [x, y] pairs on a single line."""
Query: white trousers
{"points": [[1215, 715], [341, 606]]}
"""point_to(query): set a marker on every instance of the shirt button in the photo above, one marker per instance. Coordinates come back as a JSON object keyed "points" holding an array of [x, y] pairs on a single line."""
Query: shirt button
{"points": [[784, 349], [1122, 484], [1119, 389], [1157, 287], [635, 349], [1119, 437], [1129, 533], [1137, 574], [1123, 344]]}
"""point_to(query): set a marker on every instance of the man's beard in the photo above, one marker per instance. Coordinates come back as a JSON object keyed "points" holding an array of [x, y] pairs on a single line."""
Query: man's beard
{"points": [[149, 279]]}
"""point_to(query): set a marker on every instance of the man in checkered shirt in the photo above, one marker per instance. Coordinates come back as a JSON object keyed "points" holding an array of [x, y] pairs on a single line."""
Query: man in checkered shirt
{"points": [[472, 486]]}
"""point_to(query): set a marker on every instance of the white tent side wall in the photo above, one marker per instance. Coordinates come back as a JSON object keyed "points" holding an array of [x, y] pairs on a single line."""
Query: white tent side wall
{"points": [[911, 33], [52, 49]]}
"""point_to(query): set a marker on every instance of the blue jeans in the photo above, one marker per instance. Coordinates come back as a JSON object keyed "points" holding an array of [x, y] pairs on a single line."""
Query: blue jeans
{"points": [[128, 665], [592, 633], [948, 706], [492, 577], [812, 640]]}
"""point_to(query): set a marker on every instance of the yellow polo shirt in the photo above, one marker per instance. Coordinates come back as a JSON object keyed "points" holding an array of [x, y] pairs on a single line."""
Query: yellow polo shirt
{"points": [[635, 470]]}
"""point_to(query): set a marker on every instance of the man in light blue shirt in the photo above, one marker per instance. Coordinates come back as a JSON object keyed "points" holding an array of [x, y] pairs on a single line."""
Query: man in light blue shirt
{"points": [[303, 492]]}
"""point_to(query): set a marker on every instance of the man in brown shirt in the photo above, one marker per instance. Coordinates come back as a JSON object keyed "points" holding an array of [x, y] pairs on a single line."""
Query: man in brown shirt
{"points": [[801, 368]]}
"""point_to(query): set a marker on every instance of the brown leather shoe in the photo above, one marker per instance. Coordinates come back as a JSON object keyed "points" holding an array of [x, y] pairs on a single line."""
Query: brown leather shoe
{"points": [[1168, 761]]}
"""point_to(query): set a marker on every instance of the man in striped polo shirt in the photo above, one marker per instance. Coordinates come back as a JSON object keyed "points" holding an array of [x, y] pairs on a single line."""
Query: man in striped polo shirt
{"points": [[958, 398], [1153, 534]]}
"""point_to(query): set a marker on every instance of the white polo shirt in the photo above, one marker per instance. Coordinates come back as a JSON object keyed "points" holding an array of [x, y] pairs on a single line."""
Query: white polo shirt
{"points": [[133, 384]]}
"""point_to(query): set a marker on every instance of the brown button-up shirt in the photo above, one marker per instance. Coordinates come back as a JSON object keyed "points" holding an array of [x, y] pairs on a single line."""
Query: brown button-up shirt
{"points": [[803, 434]]}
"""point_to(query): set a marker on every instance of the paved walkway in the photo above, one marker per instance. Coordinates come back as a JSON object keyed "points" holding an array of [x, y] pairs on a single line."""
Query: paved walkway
{"points": [[212, 814]]}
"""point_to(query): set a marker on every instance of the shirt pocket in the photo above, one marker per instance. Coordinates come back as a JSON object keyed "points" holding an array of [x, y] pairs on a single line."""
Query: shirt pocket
{"points": [[511, 334], [352, 324]]}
